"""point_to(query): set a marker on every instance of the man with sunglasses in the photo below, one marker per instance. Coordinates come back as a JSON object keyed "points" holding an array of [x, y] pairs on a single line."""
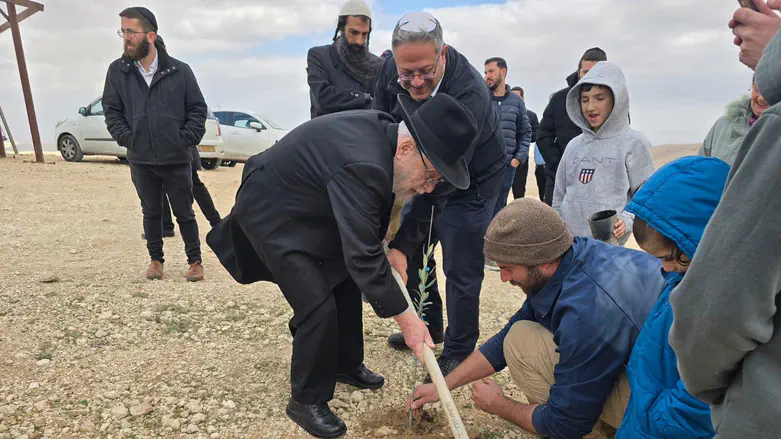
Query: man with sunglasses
{"points": [[342, 75], [155, 109], [422, 66], [334, 179]]}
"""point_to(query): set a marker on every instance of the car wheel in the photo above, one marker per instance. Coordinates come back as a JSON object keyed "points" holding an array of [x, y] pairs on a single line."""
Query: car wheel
{"points": [[210, 164], [70, 149], [232, 164]]}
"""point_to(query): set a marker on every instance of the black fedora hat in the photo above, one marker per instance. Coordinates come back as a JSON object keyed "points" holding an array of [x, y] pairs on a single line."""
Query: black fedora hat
{"points": [[443, 129]]}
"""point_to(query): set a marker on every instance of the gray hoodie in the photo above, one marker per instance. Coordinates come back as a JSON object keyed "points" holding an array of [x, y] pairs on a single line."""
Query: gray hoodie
{"points": [[601, 170], [725, 137], [727, 326]]}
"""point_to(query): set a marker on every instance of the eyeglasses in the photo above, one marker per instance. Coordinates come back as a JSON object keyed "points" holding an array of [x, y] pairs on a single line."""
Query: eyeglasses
{"points": [[407, 77], [429, 179], [130, 32]]}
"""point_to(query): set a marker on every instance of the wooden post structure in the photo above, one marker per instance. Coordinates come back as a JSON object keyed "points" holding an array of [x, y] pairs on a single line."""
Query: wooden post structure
{"points": [[2, 145], [13, 24]]}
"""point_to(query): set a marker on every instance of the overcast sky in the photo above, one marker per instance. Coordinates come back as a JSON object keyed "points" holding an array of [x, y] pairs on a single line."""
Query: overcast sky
{"points": [[681, 66]]}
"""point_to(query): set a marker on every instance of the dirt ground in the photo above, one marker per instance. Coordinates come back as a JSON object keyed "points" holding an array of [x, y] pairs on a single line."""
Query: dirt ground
{"points": [[90, 349]]}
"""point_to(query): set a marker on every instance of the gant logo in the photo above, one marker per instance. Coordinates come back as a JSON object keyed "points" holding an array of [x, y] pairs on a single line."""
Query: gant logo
{"points": [[586, 175]]}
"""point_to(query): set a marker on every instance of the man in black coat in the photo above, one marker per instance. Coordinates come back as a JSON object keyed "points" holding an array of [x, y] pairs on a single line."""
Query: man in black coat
{"points": [[522, 171], [556, 129], [422, 66], [155, 109], [319, 237], [342, 75]]}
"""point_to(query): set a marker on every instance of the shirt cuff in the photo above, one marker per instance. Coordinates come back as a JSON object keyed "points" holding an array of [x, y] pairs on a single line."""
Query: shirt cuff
{"points": [[537, 420]]}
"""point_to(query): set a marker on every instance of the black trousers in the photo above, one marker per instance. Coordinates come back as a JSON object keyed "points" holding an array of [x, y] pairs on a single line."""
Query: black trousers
{"points": [[177, 182], [326, 341], [460, 228], [519, 184], [202, 197], [539, 175]]}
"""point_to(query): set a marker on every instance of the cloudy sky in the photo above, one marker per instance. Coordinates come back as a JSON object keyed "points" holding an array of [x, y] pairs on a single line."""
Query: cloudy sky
{"points": [[678, 56]]}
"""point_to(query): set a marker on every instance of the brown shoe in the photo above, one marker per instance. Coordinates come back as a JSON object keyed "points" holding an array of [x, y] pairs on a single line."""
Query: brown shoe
{"points": [[155, 271], [195, 273]]}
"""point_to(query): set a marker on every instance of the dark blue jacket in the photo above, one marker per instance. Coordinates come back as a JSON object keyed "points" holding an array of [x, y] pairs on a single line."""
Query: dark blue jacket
{"points": [[515, 125], [659, 405], [595, 305]]}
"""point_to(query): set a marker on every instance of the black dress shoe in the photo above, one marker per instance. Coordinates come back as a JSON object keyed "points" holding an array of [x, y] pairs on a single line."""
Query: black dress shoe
{"points": [[362, 378], [317, 419], [396, 340], [446, 365]]}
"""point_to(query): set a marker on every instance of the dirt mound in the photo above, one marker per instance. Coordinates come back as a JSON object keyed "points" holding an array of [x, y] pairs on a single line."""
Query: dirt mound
{"points": [[394, 423]]}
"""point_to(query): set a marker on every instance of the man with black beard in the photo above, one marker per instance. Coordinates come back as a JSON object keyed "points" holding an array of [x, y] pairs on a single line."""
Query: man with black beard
{"points": [[567, 346], [155, 109], [342, 75]]}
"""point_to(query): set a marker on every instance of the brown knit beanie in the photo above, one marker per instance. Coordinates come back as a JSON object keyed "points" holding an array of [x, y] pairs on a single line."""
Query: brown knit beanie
{"points": [[527, 232]]}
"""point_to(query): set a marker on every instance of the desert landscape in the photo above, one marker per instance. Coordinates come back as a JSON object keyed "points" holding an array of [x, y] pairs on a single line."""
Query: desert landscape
{"points": [[90, 349]]}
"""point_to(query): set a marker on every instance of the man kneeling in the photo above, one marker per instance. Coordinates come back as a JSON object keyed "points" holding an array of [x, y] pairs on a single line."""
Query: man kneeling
{"points": [[568, 345]]}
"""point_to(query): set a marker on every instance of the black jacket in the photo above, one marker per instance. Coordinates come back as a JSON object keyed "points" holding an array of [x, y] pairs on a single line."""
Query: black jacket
{"points": [[486, 157], [534, 122], [313, 209], [556, 129], [331, 87], [159, 123]]}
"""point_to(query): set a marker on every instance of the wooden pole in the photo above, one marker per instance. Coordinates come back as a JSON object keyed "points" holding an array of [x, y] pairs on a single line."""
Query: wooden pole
{"points": [[453, 418], [28, 95], [2, 145], [8, 131]]}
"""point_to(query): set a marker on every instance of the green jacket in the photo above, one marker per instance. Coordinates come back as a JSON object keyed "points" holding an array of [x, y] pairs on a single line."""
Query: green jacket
{"points": [[725, 137]]}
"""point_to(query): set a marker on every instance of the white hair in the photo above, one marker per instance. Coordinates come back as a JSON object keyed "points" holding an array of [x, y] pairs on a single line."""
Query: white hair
{"points": [[404, 132]]}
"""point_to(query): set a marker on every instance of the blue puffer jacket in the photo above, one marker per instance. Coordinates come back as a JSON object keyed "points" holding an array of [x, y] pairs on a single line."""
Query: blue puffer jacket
{"points": [[515, 125], [678, 201]]}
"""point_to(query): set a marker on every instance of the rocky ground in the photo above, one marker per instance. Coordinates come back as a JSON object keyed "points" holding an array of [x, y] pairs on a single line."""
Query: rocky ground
{"points": [[91, 349]]}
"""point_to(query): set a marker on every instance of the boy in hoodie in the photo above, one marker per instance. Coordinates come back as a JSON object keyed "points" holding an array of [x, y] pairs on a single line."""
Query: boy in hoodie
{"points": [[671, 211], [604, 166]]}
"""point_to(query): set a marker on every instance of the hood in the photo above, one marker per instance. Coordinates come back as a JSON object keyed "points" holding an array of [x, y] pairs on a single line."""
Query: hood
{"points": [[768, 79], [608, 74], [679, 199], [739, 109]]}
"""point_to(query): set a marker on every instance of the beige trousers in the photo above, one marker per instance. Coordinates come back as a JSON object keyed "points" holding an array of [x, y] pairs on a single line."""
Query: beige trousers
{"points": [[531, 356]]}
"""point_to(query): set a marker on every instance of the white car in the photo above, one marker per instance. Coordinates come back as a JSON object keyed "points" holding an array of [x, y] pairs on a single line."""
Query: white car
{"points": [[86, 134], [246, 133]]}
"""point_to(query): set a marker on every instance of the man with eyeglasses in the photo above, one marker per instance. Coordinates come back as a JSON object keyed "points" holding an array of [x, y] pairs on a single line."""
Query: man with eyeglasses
{"points": [[422, 66], [155, 109], [334, 180], [342, 75]]}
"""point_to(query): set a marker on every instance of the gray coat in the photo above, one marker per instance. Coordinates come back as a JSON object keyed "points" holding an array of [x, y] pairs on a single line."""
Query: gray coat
{"points": [[727, 326], [725, 137]]}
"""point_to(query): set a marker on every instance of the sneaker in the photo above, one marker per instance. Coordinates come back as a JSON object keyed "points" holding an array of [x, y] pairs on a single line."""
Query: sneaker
{"points": [[155, 270], [195, 273], [491, 265]]}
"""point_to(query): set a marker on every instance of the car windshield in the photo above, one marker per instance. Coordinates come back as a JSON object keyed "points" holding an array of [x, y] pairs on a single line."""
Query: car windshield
{"points": [[272, 123]]}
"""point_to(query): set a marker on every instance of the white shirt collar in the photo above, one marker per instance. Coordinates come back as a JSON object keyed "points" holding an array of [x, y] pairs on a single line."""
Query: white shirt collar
{"points": [[152, 67]]}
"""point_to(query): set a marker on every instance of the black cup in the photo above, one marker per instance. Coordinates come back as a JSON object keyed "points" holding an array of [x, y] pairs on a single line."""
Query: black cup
{"points": [[602, 224]]}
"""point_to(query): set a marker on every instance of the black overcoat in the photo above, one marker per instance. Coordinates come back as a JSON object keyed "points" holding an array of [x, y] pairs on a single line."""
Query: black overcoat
{"points": [[313, 210]]}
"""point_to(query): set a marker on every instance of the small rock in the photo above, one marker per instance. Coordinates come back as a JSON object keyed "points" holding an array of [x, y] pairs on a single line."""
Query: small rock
{"points": [[356, 397], [215, 436], [211, 429], [87, 426], [381, 432], [111, 395], [148, 315], [39, 422], [198, 418], [74, 251], [172, 423], [125, 424], [231, 304], [229, 404], [105, 315], [120, 411], [101, 333], [194, 407], [192, 428], [141, 409], [43, 362], [50, 278], [338, 404], [33, 386]]}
